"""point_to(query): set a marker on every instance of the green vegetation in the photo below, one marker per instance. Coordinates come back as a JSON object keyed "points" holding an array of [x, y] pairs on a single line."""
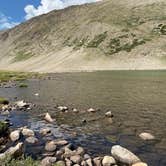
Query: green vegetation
{"points": [[4, 127], [28, 161], [98, 39], [122, 43], [23, 85], [160, 29], [21, 56], [3, 101], [6, 76]]}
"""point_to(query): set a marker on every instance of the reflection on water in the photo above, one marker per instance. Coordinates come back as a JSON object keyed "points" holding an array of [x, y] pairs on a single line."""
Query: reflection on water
{"points": [[136, 98]]}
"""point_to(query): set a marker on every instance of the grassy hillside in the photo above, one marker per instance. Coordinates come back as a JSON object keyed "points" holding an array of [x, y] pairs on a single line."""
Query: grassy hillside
{"points": [[110, 34]]}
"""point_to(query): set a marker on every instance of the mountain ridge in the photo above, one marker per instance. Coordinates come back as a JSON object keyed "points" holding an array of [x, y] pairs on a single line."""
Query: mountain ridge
{"points": [[106, 35]]}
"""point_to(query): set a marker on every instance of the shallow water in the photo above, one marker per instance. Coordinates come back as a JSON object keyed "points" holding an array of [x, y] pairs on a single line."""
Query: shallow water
{"points": [[136, 98]]}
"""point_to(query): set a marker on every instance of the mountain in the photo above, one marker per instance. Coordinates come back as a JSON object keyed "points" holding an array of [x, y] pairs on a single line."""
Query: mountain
{"points": [[107, 35]]}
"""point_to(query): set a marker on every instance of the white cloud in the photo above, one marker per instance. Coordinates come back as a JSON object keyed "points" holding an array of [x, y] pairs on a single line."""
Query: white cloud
{"points": [[6, 22], [49, 5]]}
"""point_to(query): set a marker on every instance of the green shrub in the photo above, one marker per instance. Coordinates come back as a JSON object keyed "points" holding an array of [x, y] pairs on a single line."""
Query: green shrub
{"points": [[98, 39], [23, 85], [3, 101], [4, 127]]}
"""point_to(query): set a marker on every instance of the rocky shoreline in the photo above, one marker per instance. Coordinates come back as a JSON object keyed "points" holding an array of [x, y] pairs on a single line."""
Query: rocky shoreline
{"points": [[59, 151]]}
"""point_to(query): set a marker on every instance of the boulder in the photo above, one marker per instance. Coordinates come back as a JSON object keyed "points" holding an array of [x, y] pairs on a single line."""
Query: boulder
{"points": [[15, 135], [27, 132], [50, 146], [76, 159], [108, 161], [75, 110], [123, 155], [15, 151], [31, 140], [140, 164], [48, 161], [146, 136], [48, 118]]}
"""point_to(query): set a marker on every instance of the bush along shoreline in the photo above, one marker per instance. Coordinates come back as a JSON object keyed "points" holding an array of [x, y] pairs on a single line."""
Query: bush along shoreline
{"points": [[56, 151]]}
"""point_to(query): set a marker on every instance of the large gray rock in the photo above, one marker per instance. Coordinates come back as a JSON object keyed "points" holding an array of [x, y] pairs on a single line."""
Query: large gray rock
{"points": [[15, 135], [48, 161], [108, 161], [140, 164], [123, 155], [13, 151], [50, 146], [146, 136]]}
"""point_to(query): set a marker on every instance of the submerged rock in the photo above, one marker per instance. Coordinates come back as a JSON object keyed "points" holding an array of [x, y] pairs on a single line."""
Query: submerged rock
{"points": [[48, 161], [123, 155], [45, 131], [91, 110], [22, 104], [48, 118], [146, 136], [108, 161], [109, 114], [15, 135], [63, 108]]}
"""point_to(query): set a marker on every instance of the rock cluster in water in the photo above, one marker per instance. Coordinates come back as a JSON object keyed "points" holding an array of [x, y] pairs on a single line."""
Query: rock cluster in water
{"points": [[61, 152]]}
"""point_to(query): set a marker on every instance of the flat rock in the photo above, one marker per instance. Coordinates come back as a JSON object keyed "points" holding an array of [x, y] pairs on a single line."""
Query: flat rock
{"points": [[48, 161], [50, 146], [146, 136], [15, 135], [123, 155], [108, 161]]}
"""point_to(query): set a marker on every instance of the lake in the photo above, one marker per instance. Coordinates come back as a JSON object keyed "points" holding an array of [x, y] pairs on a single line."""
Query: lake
{"points": [[137, 100]]}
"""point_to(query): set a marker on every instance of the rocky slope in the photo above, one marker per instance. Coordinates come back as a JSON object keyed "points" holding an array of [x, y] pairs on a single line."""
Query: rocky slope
{"points": [[107, 35]]}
